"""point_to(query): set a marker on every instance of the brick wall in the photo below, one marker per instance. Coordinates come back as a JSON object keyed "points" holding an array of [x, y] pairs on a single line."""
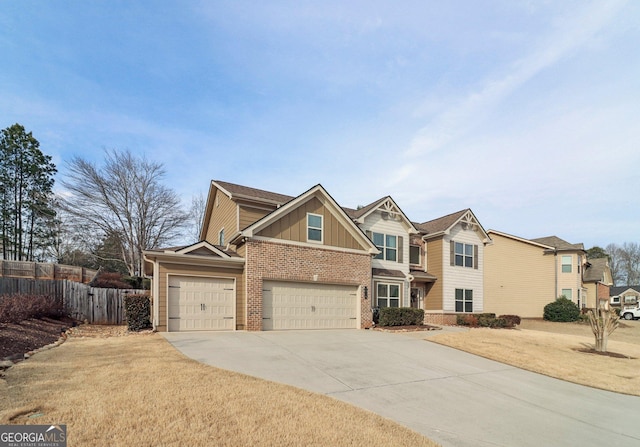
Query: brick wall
{"points": [[441, 319], [268, 260], [603, 291]]}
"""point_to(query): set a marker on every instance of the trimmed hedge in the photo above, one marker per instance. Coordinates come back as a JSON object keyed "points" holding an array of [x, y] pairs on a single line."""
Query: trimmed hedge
{"points": [[401, 316], [562, 310], [137, 311], [488, 320]]}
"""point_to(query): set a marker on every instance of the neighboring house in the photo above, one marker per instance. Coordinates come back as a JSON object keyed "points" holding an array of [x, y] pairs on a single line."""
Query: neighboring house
{"points": [[266, 261], [597, 281], [390, 230], [625, 295], [524, 275], [447, 265]]}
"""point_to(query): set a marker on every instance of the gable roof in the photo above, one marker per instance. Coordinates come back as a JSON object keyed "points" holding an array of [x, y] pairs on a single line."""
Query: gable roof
{"points": [[235, 191], [385, 204], [316, 191], [443, 225], [519, 239], [615, 291], [558, 244], [595, 270]]}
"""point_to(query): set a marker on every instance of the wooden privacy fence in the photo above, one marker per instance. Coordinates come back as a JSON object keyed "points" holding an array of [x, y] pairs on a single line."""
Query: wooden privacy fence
{"points": [[41, 270], [82, 302]]}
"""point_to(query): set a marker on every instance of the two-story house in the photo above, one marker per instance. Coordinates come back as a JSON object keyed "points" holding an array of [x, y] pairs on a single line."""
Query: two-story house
{"points": [[523, 275], [266, 261], [390, 230], [447, 265]]}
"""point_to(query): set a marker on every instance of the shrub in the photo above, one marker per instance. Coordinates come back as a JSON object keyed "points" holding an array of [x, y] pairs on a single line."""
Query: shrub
{"points": [[401, 316], [562, 309], [110, 280], [487, 320], [137, 310], [512, 320], [17, 307]]}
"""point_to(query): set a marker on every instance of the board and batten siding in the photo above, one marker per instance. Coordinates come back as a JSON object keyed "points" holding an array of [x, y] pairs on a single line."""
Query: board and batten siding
{"points": [[457, 277], [435, 253], [224, 214], [293, 227], [201, 271], [519, 278]]}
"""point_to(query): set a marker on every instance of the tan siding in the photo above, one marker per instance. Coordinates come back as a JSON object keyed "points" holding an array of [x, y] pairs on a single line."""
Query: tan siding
{"points": [[518, 278], [250, 215], [223, 215], [433, 298], [293, 227], [178, 269]]}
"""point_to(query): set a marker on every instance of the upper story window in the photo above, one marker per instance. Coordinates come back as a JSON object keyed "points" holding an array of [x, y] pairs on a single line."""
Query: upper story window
{"points": [[566, 264], [314, 227], [388, 246], [464, 255], [414, 254], [221, 237]]}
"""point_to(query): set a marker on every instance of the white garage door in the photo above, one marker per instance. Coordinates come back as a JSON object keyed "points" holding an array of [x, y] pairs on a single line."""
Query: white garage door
{"points": [[308, 306], [201, 304]]}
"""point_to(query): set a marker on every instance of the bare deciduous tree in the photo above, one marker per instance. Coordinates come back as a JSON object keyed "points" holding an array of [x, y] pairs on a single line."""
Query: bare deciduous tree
{"points": [[196, 214], [124, 196]]}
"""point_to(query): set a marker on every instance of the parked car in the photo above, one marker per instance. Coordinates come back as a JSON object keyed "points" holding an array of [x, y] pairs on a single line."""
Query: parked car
{"points": [[630, 313]]}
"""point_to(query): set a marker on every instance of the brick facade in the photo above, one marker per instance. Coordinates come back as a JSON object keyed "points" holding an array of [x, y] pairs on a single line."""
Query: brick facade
{"points": [[441, 319], [602, 291], [277, 261]]}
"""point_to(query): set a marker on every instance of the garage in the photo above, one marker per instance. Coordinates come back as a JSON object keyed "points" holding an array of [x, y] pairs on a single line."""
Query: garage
{"points": [[201, 303], [288, 305]]}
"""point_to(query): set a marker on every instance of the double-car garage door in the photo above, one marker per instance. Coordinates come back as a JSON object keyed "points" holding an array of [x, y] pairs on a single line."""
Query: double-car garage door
{"points": [[287, 305]]}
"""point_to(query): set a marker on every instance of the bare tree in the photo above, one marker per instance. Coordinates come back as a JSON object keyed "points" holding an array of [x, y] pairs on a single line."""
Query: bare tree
{"points": [[124, 197], [603, 321], [630, 254], [196, 215], [615, 264]]}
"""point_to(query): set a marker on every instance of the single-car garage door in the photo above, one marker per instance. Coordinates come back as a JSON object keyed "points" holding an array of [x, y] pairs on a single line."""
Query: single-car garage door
{"points": [[287, 305], [201, 304]]}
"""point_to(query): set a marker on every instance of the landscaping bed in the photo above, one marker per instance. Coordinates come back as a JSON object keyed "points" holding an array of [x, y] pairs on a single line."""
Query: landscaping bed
{"points": [[17, 339]]}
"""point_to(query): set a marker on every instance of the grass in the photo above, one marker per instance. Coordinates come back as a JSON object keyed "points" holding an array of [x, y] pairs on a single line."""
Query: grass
{"points": [[138, 390], [557, 350]]}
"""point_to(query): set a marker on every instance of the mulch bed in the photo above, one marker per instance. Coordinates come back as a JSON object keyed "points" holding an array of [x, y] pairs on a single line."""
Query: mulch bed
{"points": [[420, 327], [20, 338], [606, 354]]}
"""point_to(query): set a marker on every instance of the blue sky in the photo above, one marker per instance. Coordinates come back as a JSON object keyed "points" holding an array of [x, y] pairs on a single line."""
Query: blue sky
{"points": [[525, 111]]}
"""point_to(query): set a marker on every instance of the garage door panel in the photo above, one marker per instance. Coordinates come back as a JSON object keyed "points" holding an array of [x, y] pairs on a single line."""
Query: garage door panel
{"points": [[309, 306], [200, 303]]}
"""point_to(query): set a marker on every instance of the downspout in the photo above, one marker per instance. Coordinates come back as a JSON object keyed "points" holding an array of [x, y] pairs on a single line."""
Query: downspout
{"points": [[555, 257]]}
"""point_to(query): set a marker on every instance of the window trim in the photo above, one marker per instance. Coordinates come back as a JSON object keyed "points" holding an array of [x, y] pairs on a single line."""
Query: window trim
{"points": [[569, 264], [221, 237], [320, 229], [419, 254], [569, 296], [464, 300], [388, 298], [472, 257], [385, 248]]}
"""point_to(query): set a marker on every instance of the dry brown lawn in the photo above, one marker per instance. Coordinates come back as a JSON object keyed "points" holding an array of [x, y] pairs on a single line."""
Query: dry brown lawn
{"points": [[138, 390], [556, 350]]}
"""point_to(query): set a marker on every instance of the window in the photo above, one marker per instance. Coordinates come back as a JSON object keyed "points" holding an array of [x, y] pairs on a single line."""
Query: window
{"points": [[314, 227], [566, 264], [414, 254], [464, 300], [568, 293], [464, 255], [388, 295], [388, 246], [221, 237]]}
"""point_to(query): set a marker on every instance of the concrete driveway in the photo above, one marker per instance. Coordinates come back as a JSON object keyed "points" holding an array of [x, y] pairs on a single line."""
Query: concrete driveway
{"points": [[452, 397]]}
